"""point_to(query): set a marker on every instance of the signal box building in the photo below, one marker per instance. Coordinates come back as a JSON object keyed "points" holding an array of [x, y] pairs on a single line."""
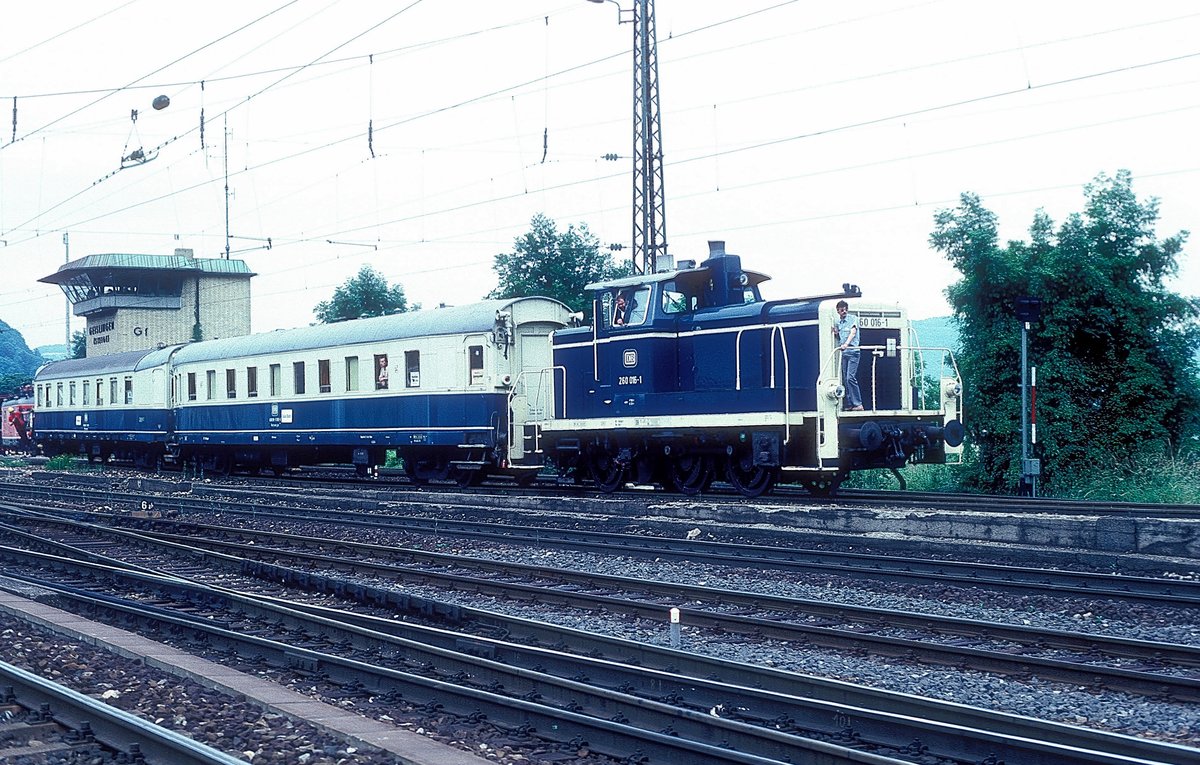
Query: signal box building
{"points": [[138, 302]]}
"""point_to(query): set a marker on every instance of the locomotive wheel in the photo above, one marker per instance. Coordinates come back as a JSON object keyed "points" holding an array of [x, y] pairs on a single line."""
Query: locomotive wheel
{"points": [[825, 486], [691, 474], [749, 480], [608, 473]]}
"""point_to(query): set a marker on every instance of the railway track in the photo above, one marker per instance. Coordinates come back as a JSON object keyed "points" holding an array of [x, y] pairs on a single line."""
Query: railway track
{"points": [[551, 688], [44, 721]]}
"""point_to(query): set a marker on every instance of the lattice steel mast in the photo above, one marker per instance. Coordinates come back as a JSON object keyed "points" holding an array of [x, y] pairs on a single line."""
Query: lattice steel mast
{"points": [[649, 200]]}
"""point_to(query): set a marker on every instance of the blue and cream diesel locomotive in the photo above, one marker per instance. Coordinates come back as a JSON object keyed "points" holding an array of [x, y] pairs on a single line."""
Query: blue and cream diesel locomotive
{"points": [[683, 378]]}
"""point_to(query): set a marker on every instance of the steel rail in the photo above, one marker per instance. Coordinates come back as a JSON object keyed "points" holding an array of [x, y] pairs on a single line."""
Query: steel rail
{"points": [[1038, 743], [115, 727], [1183, 688]]}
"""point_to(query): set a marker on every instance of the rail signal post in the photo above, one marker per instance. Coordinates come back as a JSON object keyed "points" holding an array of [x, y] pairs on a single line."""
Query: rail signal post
{"points": [[1028, 310]]}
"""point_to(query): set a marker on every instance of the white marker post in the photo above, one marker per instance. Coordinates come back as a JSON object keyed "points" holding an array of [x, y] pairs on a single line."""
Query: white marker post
{"points": [[676, 638]]}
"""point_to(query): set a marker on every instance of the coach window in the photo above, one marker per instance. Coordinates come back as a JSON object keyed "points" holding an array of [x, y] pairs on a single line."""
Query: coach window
{"points": [[381, 371], [251, 382], [191, 386], [128, 390], [71, 393], [58, 395], [276, 380], [351, 373], [87, 393], [298, 377], [475, 355], [230, 383], [323, 376], [412, 365], [112, 391], [99, 393], [210, 383]]}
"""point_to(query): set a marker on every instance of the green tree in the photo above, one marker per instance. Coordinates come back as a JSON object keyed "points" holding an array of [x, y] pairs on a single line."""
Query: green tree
{"points": [[78, 344], [553, 264], [366, 294], [1114, 348]]}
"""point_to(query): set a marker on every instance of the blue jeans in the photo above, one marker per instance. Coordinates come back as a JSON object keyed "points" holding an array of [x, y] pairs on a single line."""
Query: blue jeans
{"points": [[850, 377]]}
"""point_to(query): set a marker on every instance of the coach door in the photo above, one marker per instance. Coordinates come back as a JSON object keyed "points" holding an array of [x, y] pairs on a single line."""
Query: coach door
{"points": [[529, 398]]}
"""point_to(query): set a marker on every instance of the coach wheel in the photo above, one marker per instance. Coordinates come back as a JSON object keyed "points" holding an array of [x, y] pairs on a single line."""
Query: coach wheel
{"points": [[468, 478], [608, 473], [691, 474], [749, 480], [222, 465]]}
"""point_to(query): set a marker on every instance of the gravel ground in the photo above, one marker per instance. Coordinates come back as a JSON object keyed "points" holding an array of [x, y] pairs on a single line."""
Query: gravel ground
{"points": [[1120, 712], [241, 728]]}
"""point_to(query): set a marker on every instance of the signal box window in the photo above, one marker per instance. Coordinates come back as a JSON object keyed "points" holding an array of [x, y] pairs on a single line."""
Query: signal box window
{"points": [[128, 390], [323, 378], [298, 377], [251, 382], [412, 365], [230, 383], [191, 387], [381, 371], [351, 373], [276, 380]]}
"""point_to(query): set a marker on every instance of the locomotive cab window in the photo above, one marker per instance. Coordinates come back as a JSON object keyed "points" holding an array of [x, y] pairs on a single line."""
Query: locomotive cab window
{"points": [[626, 307], [475, 354]]}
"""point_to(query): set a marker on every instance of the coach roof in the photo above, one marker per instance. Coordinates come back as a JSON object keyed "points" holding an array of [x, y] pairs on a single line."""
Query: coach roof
{"points": [[98, 365], [475, 317]]}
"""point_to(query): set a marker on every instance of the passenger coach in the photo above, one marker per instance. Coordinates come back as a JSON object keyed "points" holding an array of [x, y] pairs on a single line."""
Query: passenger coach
{"points": [[433, 385]]}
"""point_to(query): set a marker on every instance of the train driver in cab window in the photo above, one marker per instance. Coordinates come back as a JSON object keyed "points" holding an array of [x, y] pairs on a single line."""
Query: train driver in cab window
{"points": [[620, 310]]}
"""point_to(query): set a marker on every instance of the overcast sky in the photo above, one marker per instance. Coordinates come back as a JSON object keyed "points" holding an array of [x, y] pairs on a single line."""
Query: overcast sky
{"points": [[816, 139]]}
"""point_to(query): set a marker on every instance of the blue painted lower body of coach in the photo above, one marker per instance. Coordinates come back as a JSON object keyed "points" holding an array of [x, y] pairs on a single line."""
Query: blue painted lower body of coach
{"points": [[139, 434], [434, 434]]}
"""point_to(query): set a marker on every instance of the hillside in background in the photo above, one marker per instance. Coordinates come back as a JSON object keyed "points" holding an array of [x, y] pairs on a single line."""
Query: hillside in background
{"points": [[938, 332], [15, 356]]}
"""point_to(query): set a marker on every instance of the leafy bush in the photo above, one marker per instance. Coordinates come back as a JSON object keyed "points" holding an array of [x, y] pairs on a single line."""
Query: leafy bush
{"points": [[63, 462]]}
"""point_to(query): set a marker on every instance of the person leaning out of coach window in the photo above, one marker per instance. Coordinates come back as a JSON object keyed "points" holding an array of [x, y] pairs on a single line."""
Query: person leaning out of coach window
{"points": [[845, 331]]}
